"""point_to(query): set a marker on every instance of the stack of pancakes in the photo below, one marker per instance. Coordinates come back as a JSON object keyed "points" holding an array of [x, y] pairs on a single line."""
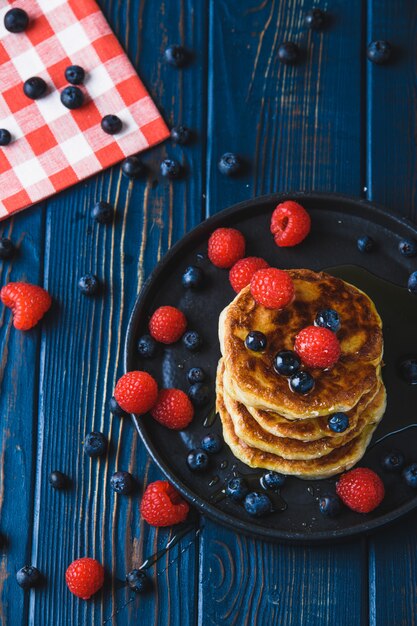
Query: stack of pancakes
{"points": [[265, 423]]}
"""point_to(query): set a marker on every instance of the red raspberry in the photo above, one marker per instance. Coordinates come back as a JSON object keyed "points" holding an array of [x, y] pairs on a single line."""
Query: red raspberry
{"points": [[272, 288], [225, 247], [361, 489], [29, 303], [173, 409], [241, 273], [84, 577], [167, 324], [162, 505], [317, 347], [290, 223], [136, 392]]}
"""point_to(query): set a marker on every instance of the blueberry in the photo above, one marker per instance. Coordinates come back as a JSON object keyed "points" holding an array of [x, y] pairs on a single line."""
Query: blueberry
{"points": [[7, 249], [408, 247], [301, 382], [338, 422], [75, 74], [95, 444], [5, 137], [365, 244], [72, 97], [212, 443], [193, 277], [286, 363], [16, 20], [199, 394], [393, 461], [102, 212], [408, 371], [147, 347], [34, 87], [89, 284], [255, 341], [133, 167], [410, 475], [229, 164], [412, 283], [329, 506], [192, 340], [137, 580], [180, 134], [115, 409], [315, 19], [257, 504], [111, 124], [288, 53], [237, 488], [122, 482], [379, 52], [197, 460], [170, 168], [328, 318], [176, 56], [273, 480], [58, 480], [196, 375], [28, 577]]}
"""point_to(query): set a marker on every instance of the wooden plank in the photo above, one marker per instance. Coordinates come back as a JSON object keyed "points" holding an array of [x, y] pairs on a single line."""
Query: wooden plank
{"points": [[299, 128], [82, 350]]}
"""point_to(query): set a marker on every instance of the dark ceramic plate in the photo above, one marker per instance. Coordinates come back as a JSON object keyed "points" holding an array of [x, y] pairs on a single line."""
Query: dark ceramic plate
{"points": [[337, 223]]}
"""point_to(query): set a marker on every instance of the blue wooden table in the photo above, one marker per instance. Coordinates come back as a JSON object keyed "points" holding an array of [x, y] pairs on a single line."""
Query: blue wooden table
{"points": [[335, 122]]}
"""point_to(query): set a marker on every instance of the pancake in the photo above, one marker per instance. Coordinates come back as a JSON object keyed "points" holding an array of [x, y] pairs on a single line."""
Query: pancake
{"points": [[337, 389]]}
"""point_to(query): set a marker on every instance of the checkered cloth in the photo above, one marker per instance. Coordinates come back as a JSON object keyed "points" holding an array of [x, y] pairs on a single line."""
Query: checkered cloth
{"points": [[53, 147]]}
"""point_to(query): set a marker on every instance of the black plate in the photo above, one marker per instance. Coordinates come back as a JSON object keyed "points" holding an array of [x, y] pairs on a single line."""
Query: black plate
{"points": [[337, 223]]}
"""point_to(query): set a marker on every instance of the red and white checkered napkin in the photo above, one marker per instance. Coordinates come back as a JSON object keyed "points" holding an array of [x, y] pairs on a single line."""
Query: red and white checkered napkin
{"points": [[54, 147]]}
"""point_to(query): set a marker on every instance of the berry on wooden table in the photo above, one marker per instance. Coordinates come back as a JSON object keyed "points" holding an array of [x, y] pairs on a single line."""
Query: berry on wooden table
{"points": [[89, 285], [115, 409], [136, 392], [137, 580], [360, 489], [167, 324], [225, 247], [315, 19], [288, 53], [243, 270], [84, 577], [133, 167], [58, 480], [173, 409], [75, 74], [170, 168], [180, 135], [95, 444], [122, 482], [111, 124], [317, 347], [7, 249], [28, 303], [229, 164], [28, 576], [162, 505], [34, 87], [176, 56], [16, 20], [272, 288], [102, 212], [290, 224], [5, 137], [379, 51]]}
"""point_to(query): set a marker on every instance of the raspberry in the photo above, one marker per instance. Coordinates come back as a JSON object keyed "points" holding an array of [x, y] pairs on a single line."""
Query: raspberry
{"points": [[29, 303], [317, 347], [167, 324], [225, 247], [290, 223], [241, 273], [136, 392], [361, 489], [162, 505], [84, 577], [173, 409], [272, 288]]}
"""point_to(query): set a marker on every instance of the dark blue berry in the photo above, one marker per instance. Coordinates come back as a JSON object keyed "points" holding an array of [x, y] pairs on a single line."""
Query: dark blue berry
{"points": [[5, 137], [212, 443], [393, 461], [192, 340], [365, 244], [229, 164], [328, 318], [72, 97], [180, 135], [75, 74], [412, 283], [147, 347], [199, 394], [257, 504], [197, 460], [170, 168], [410, 475], [193, 277], [34, 87], [196, 375], [102, 212], [379, 51], [7, 249], [301, 382], [137, 580], [89, 284], [338, 422], [28, 577], [176, 56], [122, 482], [288, 52], [286, 363], [408, 247], [133, 167], [255, 341], [95, 444], [272, 480], [237, 488], [58, 480], [408, 371], [111, 124], [16, 20], [115, 408], [315, 19], [329, 506]]}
